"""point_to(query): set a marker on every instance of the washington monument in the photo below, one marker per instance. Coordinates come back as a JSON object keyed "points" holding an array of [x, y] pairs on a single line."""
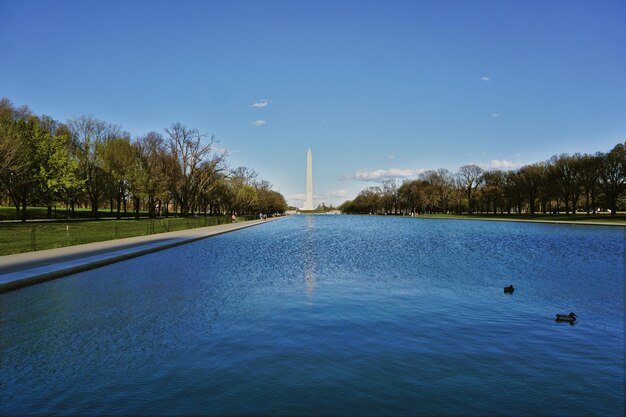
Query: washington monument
{"points": [[308, 203]]}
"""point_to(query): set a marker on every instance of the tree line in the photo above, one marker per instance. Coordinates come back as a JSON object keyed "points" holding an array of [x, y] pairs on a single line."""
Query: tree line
{"points": [[563, 184], [90, 163]]}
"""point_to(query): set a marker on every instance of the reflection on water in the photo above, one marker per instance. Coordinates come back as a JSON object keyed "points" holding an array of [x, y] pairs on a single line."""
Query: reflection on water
{"points": [[330, 315], [309, 255]]}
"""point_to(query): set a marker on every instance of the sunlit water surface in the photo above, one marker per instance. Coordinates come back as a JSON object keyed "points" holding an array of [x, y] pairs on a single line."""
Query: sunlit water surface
{"points": [[330, 315]]}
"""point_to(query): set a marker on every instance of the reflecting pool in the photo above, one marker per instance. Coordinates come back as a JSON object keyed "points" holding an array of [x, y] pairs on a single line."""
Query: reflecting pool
{"points": [[330, 315]]}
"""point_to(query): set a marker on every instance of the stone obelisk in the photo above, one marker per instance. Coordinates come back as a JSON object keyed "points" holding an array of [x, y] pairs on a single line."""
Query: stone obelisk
{"points": [[308, 203]]}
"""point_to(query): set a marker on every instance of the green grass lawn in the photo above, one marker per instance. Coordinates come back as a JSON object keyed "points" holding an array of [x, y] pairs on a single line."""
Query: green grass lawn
{"points": [[26, 237], [619, 218]]}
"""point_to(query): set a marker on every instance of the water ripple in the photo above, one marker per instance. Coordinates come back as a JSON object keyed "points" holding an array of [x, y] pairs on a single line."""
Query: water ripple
{"points": [[329, 315]]}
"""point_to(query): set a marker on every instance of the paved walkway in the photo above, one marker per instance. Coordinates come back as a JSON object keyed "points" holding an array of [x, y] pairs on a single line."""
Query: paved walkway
{"points": [[17, 271]]}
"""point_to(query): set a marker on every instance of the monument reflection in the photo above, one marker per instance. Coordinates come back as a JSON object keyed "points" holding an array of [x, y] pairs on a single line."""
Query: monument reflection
{"points": [[309, 257]]}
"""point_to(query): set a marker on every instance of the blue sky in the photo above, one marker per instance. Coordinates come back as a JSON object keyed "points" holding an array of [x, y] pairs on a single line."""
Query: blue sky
{"points": [[376, 89]]}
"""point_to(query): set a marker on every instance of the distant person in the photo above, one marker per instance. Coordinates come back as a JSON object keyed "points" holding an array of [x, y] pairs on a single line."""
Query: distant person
{"points": [[233, 218]]}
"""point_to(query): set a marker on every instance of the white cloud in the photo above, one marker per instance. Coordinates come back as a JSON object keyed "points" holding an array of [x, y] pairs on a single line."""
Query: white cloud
{"points": [[259, 122], [261, 103], [500, 164], [495, 114], [390, 157], [383, 174], [485, 78]]}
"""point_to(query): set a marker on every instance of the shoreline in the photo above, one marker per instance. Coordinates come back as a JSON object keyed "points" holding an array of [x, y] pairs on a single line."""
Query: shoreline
{"points": [[567, 222], [501, 219]]}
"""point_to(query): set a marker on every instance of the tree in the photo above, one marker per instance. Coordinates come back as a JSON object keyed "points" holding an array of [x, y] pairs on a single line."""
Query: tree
{"points": [[277, 203], [441, 186], [13, 163], [590, 167], [613, 175], [150, 175], [245, 175], [9, 143], [118, 161], [368, 201], [265, 198], [189, 152], [513, 192], [88, 136], [245, 198], [390, 196], [57, 171], [470, 178], [568, 179], [412, 195], [493, 189], [531, 177], [21, 133]]}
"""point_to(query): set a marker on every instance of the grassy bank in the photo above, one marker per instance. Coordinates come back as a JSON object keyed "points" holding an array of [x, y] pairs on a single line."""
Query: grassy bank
{"points": [[619, 219], [20, 237]]}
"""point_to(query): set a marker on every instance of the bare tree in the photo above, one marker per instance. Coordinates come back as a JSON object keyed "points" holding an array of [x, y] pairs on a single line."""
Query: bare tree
{"points": [[14, 162], [150, 175], [590, 166], [245, 175], [189, 152], [493, 187], [442, 182], [470, 177], [89, 135], [9, 145], [390, 196], [531, 178], [566, 170]]}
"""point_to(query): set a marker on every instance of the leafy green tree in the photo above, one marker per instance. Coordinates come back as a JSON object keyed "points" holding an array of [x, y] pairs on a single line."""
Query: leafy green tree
{"points": [[21, 179], [277, 203], [245, 198], [119, 162], [57, 171]]}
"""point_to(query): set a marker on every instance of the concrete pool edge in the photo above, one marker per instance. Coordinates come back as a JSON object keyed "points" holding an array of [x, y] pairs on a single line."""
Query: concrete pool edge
{"points": [[33, 274]]}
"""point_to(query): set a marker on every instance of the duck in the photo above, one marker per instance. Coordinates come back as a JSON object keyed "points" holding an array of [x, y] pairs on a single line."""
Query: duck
{"points": [[509, 289], [571, 317]]}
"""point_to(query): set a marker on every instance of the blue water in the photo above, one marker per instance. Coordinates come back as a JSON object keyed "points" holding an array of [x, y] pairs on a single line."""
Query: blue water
{"points": [[330, 315]]}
